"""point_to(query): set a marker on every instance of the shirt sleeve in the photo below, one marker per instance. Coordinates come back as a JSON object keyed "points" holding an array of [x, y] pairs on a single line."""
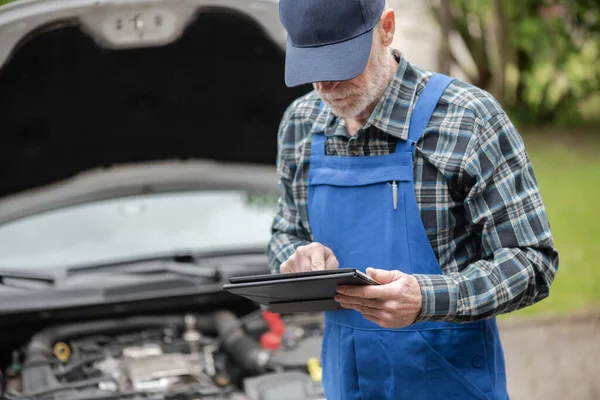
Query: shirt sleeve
{"points": [[505, 209], [288, 232]]}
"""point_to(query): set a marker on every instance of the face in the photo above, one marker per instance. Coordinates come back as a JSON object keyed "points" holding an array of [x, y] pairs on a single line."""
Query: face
{"points": [[349, 99]]}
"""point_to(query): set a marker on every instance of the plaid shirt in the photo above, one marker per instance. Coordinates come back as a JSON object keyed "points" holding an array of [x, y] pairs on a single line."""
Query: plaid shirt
{"points": [[475, 189]]}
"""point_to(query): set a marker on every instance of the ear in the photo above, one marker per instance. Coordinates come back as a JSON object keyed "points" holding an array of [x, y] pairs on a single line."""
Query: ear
{"points": [[387, 26]]}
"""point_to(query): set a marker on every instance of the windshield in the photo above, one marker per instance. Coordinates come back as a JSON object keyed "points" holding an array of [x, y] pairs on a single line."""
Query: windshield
{"points": [[134, 227]]}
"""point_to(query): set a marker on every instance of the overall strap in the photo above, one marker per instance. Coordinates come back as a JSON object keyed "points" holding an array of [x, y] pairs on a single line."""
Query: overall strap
{"points": [[318, 141], [423, 110]]}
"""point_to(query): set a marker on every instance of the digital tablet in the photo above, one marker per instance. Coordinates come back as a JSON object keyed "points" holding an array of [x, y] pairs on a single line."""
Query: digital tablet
{"points": [[298, 291]]}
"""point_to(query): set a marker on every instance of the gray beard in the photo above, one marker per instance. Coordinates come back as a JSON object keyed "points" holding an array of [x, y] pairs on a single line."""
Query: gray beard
{"points": [[377, 82]]}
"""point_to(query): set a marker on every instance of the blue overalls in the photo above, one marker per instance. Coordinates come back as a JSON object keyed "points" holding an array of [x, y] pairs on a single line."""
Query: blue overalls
{"points": [[365, 210]]}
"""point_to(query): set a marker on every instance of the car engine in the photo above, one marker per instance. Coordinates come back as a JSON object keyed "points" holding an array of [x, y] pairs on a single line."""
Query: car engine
{"points": [[207, 356]]}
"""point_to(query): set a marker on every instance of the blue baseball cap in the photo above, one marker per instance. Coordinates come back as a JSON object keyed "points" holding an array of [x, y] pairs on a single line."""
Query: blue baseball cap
{"points": [[328, 40]]}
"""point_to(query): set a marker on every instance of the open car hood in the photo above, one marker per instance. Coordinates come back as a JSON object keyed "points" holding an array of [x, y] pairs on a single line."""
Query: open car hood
{"points": [[106, 99], [93, 84]]}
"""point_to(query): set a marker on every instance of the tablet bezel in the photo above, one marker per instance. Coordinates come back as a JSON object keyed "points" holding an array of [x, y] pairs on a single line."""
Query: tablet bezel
{"points": [[294, 275], [261, 288]]}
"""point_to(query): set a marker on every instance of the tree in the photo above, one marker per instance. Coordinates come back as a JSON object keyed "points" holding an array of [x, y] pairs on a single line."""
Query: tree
{"points": [[540, 58], [445, 56]]}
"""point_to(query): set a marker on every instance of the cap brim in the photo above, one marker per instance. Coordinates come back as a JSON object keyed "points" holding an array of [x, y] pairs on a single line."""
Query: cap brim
{"points": [[335, 62]]}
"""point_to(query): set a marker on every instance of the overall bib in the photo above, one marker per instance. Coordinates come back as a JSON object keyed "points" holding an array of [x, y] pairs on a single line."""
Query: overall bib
{"points": [[365, 210]]}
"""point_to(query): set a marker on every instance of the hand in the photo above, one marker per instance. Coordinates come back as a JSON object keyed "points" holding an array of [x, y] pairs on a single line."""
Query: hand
{"points": [[394, 304], [313, 257]]}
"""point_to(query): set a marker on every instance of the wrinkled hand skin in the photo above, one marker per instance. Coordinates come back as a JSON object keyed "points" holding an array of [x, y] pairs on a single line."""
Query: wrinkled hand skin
{"points": [[312, 257], [396, 303]]}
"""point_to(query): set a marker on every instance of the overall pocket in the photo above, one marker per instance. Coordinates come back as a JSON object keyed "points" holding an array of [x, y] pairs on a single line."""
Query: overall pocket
{"points": [[360, 224], [442, 364]]}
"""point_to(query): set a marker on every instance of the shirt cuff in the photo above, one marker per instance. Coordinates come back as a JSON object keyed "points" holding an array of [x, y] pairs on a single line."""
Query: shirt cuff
{"points": [[439, 298]]}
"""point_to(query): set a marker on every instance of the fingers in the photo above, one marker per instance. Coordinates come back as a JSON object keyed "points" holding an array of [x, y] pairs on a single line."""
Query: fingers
{"points": [[385, 291], [321, 257], [295, 263], [363, 291], [312, 257], [305, 263], [365, 310], [317, 258], [381, 317], [291, 265], [359, 301], [331, 262], [393, 305], [383, 276], [285, 267]]}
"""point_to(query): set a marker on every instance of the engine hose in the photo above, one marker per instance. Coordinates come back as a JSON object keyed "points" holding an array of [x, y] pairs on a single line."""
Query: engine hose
{"points": [[69, 386], [39, 377], [241, 347]]}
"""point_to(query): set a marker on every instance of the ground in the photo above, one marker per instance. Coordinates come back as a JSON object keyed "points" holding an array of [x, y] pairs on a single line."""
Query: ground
{"points": [[553, 358]]}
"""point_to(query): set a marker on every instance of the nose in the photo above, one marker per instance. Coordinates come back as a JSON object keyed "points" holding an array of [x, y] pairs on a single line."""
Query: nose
{"points": [[326, 87]]}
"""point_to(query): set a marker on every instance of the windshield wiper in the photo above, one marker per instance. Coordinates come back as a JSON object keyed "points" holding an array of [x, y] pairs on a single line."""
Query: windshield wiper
{"points": [[182, 265], [179, 268], [31, 276], [174, 261]]}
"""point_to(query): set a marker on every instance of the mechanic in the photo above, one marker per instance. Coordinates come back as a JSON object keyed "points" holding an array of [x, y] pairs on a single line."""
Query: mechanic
{"points": [[423, 179]]}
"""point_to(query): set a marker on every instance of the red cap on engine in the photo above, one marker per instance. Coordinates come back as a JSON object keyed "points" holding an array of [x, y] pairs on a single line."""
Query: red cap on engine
{"points": [[275, 323], [270, 341]]}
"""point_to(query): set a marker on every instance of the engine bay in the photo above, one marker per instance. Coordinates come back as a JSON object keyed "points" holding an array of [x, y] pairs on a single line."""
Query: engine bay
{"points": [[218, 355]]}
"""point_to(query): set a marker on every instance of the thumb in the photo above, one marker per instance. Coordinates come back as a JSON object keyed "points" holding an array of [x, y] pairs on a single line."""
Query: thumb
{"points": [[383, 276]]}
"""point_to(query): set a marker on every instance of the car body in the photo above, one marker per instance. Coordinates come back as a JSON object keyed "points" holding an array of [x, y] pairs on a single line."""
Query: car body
{"points": [[137, 174]]}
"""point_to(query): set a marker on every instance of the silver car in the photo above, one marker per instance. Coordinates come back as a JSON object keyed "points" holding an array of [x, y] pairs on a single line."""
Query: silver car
{"points": [[137, 174]]}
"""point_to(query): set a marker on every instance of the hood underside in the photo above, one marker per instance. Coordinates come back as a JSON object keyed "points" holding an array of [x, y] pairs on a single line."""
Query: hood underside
{"points": [[68, 105]]}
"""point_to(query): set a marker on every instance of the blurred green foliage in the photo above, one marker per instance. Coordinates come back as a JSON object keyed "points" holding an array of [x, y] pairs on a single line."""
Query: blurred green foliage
{"points": [[540, 58], [560, 54], [566, 165]]}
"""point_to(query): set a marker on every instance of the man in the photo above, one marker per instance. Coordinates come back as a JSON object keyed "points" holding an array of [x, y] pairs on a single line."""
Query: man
{"points": [[424, 180]]}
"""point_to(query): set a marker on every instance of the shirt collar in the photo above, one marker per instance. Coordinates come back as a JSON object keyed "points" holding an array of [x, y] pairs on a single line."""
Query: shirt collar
{"points": [[389, 115]]}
